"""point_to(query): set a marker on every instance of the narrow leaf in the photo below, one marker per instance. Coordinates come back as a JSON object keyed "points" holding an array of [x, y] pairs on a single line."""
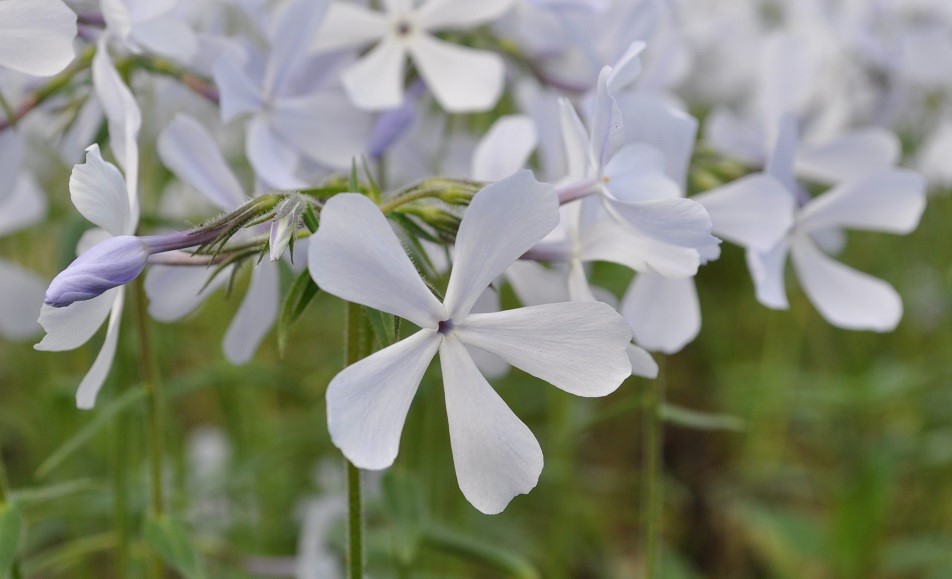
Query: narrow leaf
{"points": [[300, 294], [688, 418], [171, 541], [11, 524]]}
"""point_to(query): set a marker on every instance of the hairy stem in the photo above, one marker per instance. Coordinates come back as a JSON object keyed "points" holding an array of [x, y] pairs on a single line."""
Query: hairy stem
{"points": [[653, 441], [355, 517], [15, 571]]}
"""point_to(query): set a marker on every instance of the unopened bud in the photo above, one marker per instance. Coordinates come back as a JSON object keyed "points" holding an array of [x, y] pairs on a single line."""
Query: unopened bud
{"points": [[111, 263]]}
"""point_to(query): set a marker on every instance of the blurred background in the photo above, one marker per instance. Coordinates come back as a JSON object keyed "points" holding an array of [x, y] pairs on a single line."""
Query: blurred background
{"points": [[791, 448]]}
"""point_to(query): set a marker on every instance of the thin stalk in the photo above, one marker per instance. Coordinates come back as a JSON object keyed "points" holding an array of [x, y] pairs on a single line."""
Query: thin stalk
{"points": [[15, 571], [653, 441], [150, 380], [50, 89], [355, 516]]}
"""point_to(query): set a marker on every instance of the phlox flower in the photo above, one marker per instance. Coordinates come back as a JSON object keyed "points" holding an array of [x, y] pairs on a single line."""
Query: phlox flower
{"points": [[578, 347], [100, 193], [890, 200], [36, 36], [151, 25], [462, 79]]}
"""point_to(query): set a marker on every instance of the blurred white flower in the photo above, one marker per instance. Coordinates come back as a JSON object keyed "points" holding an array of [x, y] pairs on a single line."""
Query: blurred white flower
{"points": [[462, 79], [36, 36], [579, 347]]}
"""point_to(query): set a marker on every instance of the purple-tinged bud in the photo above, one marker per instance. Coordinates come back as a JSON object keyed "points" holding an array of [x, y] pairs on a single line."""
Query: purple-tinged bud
{"points": [[111, 263]]}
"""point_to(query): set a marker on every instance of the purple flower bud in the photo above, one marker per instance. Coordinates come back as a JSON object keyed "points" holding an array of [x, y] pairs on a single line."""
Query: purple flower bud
{"points": [[111, 263]]}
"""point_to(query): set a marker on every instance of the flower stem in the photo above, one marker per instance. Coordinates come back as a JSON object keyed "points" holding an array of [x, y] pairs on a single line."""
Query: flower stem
{"points": [[15, 572], [653, 441], [355, 517], [50, 89], [150, 380]]}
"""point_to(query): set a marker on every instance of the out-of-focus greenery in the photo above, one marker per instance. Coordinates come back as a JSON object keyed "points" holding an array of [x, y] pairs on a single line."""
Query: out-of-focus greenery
{"points": [[830, 456]]}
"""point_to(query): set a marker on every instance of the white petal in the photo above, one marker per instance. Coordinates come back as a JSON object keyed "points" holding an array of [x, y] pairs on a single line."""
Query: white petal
{"points": [[505, 148], [579, 289], [637, 173], [174, 292], [461, 79], [845, 297], [608, 123], [613, 242], [850, 156], [664, 314], [347, 25], [375, 82], [117, 17], [168, 36], [98, 191], [453, 14], [240, 93], [489, 365], [324, 127], [642, 364], [273, 159], [495, 454], [367, 402], [578, 149], [577, 346], [192, 154], [124, 120], [891, 200], [24, 206], [255, 316], [782, 157], [679, 222], [767, 271], [503, 221], [653, 121], [627, 68], [72, 326], [36, 36], [22, 293], [755, 211], [356, 256], [93, 381], [535, 284], [733, 136], [291, 31]]}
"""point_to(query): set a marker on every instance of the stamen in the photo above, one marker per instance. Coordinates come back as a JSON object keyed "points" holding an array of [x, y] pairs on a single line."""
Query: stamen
{"points": [[445, 327]]}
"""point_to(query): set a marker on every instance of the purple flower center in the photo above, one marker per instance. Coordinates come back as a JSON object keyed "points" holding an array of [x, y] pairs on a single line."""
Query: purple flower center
{"points": [[445, 327]]}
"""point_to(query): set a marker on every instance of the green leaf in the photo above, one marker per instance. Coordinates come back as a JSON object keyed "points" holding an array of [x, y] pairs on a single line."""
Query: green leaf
{"points": [[11, 524], [310, 219], [383, 327], [99, 421], [295, 302], [404, 503], [688, 418], [475, 549], [170, 538], [31, 496]]}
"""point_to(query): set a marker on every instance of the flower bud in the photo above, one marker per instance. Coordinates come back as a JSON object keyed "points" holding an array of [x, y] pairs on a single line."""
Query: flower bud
{"points": [[111, 263]]}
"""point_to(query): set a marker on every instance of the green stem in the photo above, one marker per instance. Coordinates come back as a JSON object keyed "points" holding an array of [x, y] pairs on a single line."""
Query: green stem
{"points": [[15, 571], [49, 89], [355, 518], [150, 380], [653, 441]]}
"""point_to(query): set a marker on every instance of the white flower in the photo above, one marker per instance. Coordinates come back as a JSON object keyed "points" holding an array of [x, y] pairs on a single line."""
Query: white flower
{"points": [[297, 116], [190, 153], [890, 200], [100, 193], [36, 36], [151, 25], [578, 347], [462, 79]]}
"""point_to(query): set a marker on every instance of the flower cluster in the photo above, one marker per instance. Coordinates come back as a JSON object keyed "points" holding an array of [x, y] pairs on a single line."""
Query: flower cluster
{"points": [[418, 157]]}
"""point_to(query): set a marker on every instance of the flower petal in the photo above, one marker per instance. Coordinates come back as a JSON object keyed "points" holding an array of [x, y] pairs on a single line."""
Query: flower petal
{"points": [[98, 191], [22, 293], [495, 454], [93, 381], [347, 25], [191, 153], [849, 156], [462, 79], [755, 211], [637, 173], [664, 314], [679, 221], [503, 221], [505, 149], [767, 270], [255, 316], [367, 402], [845, 297], [781, 161], [36, 36], [324, 127], [24, 206], [456, 14], [891, 200], [614, 242], [535, 284], [273, 159], [651, 120], [174, 292], [642, 364], [375, 82], [579, 156], [356, 256], [168, 36], [576, 346], [72, 326], [240, 93]]}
